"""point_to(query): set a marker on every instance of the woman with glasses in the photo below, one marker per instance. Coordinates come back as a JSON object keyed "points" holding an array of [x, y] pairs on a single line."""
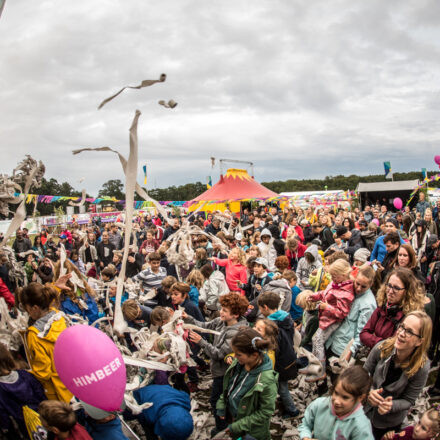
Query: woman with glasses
{"points": [[399, 367], [399, 295]]}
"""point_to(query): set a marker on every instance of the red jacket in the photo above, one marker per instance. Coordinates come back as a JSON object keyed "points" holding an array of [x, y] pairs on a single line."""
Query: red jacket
{"points": [[338, 298], [6, 294], [296, 255], [298, 231], [381, 325], [234, 272]]}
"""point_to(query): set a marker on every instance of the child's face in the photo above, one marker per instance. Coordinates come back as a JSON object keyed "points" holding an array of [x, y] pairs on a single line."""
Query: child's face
{"points": [[177, 297], [343, 402], [226, 315], [115, 259], [423, 430], [292, 283], [105, 277], [260, 328], [264, 310], [338, 278], [258, 269], [112, 291]]}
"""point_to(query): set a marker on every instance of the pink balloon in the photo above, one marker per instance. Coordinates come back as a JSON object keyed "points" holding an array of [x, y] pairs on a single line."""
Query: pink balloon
{"points": [[91, 366], [437, 160], [397, 202], [375, 221]]}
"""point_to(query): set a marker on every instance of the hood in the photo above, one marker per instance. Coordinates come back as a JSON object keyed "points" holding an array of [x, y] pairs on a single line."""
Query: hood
{"points": [[279, 315], [264, 366], [265, 231], [313, 249], [355, 235], [49, 326], [217, 276], [368, 234], [274, 285]]}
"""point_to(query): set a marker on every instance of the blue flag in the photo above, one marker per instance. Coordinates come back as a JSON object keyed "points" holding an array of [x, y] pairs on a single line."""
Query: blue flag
{"points": [[388, 171]]}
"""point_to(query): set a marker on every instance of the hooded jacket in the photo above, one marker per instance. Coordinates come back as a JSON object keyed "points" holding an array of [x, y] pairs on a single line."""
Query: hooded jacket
{"points": [[285, 356], [379, 251], [369, 238], [267, 250], [338, 298], [213, 288], [256, 407], [361, 310], [305, 268], [381, 325], [320, 422], [221, 346], [41, 338], [282, 288]]}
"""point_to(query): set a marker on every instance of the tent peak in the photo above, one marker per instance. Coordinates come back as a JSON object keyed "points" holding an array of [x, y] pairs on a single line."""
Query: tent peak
{"points": [[238, 173]]}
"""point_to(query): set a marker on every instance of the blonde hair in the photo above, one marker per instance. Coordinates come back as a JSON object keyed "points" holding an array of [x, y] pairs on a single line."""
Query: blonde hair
{"points": [[301, 300], [195, 278], [414, 297], [240, 254], [433, 415], [419, 357], [130, 309], [340, 267]]}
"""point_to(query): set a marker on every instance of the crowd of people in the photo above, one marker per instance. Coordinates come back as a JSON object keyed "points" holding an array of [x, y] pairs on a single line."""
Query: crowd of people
{"points": [[346, 297]]}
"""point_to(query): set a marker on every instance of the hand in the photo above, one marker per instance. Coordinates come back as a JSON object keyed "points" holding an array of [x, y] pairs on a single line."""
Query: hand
{"points": [[389, 435], [314, 272], [184, 314], [228, 360], [131, 259], [61, 282], [386, 406], [375, 398], [101, 264], [258, 287], [310, 299], [194, 337], [348, 356], [323, 305], [144, 251]]}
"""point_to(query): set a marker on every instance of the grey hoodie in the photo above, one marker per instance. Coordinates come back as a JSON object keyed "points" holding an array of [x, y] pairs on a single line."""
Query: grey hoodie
{"points": [[305, 268], [222, 342], [281, 287], [214, 287]]}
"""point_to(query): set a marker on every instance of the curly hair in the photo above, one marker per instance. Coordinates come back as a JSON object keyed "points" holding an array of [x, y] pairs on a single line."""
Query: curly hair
{"points": [[236, 303], [282, 263], [414, 297]]}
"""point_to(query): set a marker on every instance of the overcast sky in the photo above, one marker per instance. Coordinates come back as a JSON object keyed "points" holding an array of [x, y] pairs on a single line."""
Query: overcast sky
{"points": [[303, 89]]}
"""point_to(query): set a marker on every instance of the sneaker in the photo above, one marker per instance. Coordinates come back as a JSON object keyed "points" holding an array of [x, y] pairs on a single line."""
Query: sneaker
{"points": [[290, 414], [193, 387]]}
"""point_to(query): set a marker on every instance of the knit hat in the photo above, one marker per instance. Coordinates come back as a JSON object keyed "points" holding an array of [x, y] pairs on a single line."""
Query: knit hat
{"points": [[361, 255], [393, 221], [174, 423], [341, 230]]}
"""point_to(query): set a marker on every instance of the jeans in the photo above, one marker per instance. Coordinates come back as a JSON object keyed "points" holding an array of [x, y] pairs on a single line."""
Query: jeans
{"points": [[216, 392], [286, 398]]}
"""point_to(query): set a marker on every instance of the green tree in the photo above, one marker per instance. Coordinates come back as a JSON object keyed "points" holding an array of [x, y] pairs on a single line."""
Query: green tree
{"points": [[112, 188]]}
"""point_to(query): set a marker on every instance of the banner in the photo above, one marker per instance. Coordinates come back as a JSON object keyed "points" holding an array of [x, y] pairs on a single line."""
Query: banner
{"points": [[388, 171]]}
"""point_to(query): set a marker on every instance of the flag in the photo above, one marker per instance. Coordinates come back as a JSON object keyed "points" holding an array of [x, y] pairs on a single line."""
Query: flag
{"points": [[388, 171], [145, 174], [208, 182], [424, 174]]}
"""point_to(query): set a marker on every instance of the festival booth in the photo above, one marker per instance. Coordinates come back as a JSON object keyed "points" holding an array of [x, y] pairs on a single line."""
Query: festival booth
{"points": [[234, 187], [303, 199], [385, 192]]}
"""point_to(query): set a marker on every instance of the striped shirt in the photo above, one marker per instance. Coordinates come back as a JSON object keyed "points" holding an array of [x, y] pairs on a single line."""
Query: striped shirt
{"points": [[149, 279]]}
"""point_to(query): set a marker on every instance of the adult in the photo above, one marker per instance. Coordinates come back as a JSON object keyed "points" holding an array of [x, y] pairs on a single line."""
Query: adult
{"points": [[88, 252], [105, 250], [422, 204], [294, 252], [399, 367], [173, 228], [430, 223], [214, 227], [324, 233], [352, 238], [21, 245], [399, 295], [392, 244], [362, 308], [419, 239], [406, 257], [379, 250], [115, 237]]}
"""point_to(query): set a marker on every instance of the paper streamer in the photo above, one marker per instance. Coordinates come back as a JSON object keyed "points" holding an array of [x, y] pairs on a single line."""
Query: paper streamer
{"points": [[2, 5], [169, 104], [82, 201], [144, 83]]}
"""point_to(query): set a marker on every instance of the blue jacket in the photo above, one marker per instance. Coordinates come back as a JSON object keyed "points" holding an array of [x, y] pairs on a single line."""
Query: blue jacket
{"points": [[194, 295], [379, 250], [296, 312], [105, 431], [91, 314], [361, 309], [321, 423]]}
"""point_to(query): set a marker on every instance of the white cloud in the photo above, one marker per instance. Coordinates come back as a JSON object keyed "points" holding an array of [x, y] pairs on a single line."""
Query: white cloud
{"points": [[302, 89]]}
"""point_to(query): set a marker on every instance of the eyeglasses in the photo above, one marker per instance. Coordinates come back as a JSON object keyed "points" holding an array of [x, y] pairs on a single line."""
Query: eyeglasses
{"points": [[401, 328], [393, 287]]}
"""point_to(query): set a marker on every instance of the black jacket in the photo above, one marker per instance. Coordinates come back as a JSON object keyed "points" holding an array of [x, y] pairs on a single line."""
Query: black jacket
{"points": [[354, 243], [326, 238]]}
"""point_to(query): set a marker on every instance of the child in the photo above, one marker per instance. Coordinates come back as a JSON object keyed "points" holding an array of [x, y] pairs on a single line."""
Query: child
{"points": [[213, 288], [163, 296], [257, 280], [296, 312], [340, 416], [160, 316], [269, 331], [310, 262], [334, 306], [428, 427], [236, 272], [233, 308], [247, 401], [136, 315], [17, 389], [30, 267], [151, 278], [37, 300], [195, 280], [201, 257], [59, 418], [285, 356]]}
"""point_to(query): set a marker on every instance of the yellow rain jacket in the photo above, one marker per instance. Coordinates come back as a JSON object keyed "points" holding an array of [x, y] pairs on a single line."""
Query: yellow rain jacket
{"points": [[41, 338]]}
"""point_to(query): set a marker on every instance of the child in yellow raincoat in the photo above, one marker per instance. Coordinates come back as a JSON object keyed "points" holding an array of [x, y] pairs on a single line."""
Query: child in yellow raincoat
{"points": [[41, 336]]}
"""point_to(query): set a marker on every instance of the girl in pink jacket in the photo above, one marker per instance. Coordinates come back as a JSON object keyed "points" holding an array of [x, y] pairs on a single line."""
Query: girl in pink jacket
{"points": [[236, 270], [334, 304]]}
